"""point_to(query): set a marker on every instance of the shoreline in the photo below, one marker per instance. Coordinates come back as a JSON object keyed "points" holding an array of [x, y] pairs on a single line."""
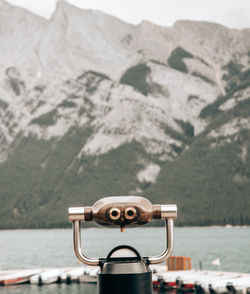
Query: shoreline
{"points": [[145, 227]]}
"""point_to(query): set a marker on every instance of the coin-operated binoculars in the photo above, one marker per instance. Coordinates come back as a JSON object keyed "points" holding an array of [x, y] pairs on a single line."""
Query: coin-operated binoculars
{"points": [[123, 271]]}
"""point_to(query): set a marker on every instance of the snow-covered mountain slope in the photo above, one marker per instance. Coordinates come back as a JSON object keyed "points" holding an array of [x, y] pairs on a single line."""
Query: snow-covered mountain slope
{"points": [[83, 91]]}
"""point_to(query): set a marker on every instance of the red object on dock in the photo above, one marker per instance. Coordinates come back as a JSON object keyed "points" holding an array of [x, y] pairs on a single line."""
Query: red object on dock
{"points": [[170, 284], [156, 284], [188, 286]]}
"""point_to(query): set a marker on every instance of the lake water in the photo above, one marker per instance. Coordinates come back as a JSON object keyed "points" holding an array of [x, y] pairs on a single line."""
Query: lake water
{"points": [[53, 248]]}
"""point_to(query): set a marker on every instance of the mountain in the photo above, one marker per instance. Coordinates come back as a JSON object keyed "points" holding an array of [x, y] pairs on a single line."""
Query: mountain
{"points": [[92, 106]]}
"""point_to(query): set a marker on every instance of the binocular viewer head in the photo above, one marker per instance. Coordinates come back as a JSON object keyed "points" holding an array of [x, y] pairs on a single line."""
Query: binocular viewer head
{"points": [[122, 211]]}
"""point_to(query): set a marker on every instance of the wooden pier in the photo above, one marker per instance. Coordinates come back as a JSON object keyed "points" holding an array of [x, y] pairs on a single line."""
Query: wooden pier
{"points": [[204, 281]]}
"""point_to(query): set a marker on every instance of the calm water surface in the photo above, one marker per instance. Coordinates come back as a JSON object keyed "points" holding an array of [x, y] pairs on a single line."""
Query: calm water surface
{"points": [[53, 248]]}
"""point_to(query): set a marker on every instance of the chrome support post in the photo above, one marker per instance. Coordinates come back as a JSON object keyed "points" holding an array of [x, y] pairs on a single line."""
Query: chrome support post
{"points": [[77, 246], [76, 215], [169, 244], [168, 212]]}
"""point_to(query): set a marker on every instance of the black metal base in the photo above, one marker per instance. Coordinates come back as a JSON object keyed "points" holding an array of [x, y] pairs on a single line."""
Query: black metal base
{"points": [[125, 275], [125, 284]]}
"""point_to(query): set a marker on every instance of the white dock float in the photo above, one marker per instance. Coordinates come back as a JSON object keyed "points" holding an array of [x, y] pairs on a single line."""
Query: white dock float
{"points": [[17, 276], [48, 276], [91, 277], [72, 275]]}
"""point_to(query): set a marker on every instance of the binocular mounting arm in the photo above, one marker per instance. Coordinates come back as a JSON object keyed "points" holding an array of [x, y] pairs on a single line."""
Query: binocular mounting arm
{"points": [[79, 214], [77, 246], [169, 245]]}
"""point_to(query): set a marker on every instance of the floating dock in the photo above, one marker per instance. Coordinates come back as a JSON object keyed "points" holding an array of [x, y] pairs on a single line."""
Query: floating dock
{"points": [[203, 281]]}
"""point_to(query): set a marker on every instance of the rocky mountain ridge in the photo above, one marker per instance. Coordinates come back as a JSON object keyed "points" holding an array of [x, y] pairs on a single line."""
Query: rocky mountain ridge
{"points": [[85, 95]]}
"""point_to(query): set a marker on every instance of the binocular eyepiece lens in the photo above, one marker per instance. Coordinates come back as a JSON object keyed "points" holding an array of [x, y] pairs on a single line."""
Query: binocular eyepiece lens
{"points": [[114, 213], [130, 213]]}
